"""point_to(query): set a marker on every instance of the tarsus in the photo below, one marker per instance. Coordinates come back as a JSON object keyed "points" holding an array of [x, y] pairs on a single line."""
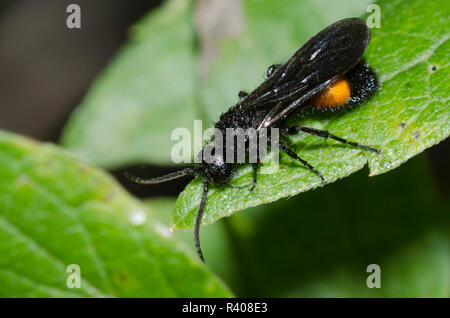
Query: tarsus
{"points": [[198, 220]]}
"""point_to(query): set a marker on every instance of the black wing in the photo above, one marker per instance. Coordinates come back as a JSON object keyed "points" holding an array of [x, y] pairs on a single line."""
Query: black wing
{"points": [[319, 62]]}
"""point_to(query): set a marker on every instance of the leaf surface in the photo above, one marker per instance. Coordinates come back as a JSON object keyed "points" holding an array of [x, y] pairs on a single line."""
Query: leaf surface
{"points": [[56, 211]]}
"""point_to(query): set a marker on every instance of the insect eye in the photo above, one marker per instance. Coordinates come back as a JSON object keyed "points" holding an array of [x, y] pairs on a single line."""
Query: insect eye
{"points": [[334, 95]]}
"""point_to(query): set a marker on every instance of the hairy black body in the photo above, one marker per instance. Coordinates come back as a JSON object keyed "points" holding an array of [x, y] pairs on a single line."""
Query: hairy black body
{"points": [[333, 54]]}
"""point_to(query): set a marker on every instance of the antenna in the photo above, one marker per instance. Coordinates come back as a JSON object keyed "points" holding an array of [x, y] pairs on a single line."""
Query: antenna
{"points": [[165, 178]]}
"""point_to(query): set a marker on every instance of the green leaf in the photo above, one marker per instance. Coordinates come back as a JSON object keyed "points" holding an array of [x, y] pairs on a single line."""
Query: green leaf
{"points": [[56, 211], [319, 244], [148, 90], [409, 113]]}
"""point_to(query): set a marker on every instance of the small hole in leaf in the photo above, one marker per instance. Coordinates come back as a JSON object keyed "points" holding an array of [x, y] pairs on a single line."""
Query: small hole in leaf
{"points": [[416, 135], [402, 125], [432, 68]]}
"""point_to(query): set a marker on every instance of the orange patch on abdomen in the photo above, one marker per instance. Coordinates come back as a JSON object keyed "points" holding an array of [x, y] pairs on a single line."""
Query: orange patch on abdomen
{"points": [[335, 95]]}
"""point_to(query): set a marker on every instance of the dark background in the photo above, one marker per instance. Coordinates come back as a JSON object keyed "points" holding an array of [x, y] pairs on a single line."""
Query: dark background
{"points": [[46, 69]]}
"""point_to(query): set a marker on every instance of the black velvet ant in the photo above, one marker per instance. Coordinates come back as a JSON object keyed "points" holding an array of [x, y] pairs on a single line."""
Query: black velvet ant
{"points": [[325, 73]]}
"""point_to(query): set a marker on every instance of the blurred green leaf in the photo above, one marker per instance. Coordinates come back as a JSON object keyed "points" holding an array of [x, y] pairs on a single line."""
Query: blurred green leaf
{"points": [[148, 90], [409, 114], [319, 244], [216, 245], [56, 211]]}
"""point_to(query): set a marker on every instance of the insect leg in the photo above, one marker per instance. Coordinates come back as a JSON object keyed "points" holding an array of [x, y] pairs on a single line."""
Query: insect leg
{"points": [[253, 184], [255, 175], [325, 134], [293, 155], [272, 69], [198, 220], [242, 94]]}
